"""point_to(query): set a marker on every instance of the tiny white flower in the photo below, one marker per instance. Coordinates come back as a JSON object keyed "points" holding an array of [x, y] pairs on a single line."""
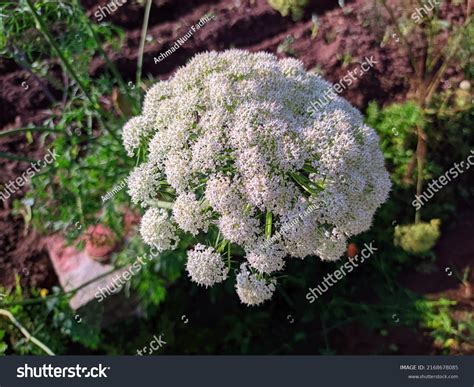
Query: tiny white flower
{"points": [[252, 290], [190, 214], [266, 258], [143, 184], [205, 266], [157, 230], [133, 132]]}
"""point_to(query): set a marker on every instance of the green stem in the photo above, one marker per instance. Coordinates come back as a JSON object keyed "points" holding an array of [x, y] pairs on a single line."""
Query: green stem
{"points": [[324, 332], [217, 239], [268, 224], [9, 156], [20, 130], [161, 204], [108, 62], [142, 43], [38, 300], [44, 30], [222, 247]]}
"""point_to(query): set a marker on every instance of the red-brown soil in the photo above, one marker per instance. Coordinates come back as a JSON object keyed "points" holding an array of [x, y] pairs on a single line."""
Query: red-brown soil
{"points": [[21, 250]]}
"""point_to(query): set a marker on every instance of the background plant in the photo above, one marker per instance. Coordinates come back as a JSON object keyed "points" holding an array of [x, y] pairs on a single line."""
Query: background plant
{"points": [[295, 8]]}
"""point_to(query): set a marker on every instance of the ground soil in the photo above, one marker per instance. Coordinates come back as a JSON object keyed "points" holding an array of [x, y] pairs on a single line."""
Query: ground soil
{"points": [[344, 39], [21, 250]]}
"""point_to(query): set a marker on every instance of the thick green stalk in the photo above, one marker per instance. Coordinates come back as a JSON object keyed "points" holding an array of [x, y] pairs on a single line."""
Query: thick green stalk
{"points": [[217, 239]]}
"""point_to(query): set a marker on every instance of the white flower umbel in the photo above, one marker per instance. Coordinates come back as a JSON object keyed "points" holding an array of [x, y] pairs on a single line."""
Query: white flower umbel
{"points": [[157, 230], [266, 258], [143, 184], [133, 131], [252, 290], [231, 139], [205, 266], [190, 214]]}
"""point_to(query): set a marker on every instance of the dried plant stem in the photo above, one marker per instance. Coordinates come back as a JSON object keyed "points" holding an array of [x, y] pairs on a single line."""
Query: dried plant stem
{"points": [[454, 43], [24, 332]]}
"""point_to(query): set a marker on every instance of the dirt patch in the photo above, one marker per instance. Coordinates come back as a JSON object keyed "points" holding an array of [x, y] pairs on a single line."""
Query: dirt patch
{"points": [[345, 38], [21, 250]]}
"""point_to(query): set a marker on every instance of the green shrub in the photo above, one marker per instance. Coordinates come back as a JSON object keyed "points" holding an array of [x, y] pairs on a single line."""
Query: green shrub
{"points": [[396, 126]]}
